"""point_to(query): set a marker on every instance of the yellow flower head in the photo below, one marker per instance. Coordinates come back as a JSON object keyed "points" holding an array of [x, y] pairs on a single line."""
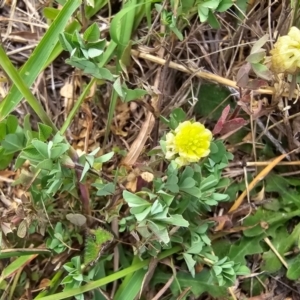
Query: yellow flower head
{"points": [[188, 143], [286, 53]]}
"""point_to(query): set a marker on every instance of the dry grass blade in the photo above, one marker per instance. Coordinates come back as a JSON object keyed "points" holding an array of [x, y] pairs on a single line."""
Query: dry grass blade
{"points": [[204, 75], [257, 179], [149, 221]]}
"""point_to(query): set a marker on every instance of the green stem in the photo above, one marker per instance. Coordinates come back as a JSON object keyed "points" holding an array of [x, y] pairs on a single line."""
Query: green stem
{"points": [[77, 106], [54, 283]]}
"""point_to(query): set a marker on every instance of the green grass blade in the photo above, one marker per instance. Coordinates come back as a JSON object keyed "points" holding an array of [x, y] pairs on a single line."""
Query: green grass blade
{"points": [[131, 287], [74, 25], [111, 278], [8, 253], [23, 89], [53, 285], [15, 265], [38, 58], [128, 286], [91, 11]]}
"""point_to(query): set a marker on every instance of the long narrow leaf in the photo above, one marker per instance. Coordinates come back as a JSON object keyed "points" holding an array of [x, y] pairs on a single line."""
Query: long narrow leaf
{"points": [[23, 89], [20, 262], [35, 63], [8, 253], [133, 286], [115, 276]]}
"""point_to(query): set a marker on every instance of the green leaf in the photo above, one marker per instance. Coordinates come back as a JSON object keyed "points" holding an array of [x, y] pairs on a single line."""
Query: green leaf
{"points": [[133, 94], [211, 4], [13, 143], [59, 150], [285, 189], [90, 3], [202, 13], [208, 182], [242, 271], [54, 186], [224, 5], [187, 183], [66, 42], [99, 45], [16, 265], [194, 191], [78, 40], [172, 183], [46, 164], [2, 130], [196, 247], [50, 13], [19, 161], [141, 212], [203, 282], [219, 155], [105, 189], [213, 148], [58, 138], [293, 272], [92, 34], [256, 48], [93, 52], [44, 132], [213, 21], [68, 278], [41, 147], [283, 242], [27, 124], [31, 154], [246, 246], [118, 87], [134, 200], [188, 172], [190, 262], [104, 158], [220, 197], [262, 71], [5, 159], [177, 32], [256, 57], [133, 286], [11, 124], [85, 170], [118, 21], [176, 220], [91, 68], [91, 11], [165, 197], [211, 100], [177, 116]]}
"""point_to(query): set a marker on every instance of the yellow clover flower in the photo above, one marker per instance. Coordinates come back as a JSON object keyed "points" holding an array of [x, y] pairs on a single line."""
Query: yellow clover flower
{"points": [[188, 143], [286, 53]]}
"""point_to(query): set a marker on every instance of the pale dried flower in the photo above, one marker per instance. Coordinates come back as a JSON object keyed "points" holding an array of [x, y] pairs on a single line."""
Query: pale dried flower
{"points": [[286, 53]]}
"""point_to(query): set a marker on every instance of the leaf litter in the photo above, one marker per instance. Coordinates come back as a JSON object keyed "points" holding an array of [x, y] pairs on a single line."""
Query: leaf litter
{"points": [[214, 55]]}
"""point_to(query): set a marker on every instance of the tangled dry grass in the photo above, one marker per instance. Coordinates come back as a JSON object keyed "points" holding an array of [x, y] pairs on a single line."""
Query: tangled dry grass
{"points": [[172, 72]]}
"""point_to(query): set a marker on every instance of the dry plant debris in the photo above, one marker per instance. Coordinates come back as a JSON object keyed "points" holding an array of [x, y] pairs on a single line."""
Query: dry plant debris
{"points": [[97, 198]]}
